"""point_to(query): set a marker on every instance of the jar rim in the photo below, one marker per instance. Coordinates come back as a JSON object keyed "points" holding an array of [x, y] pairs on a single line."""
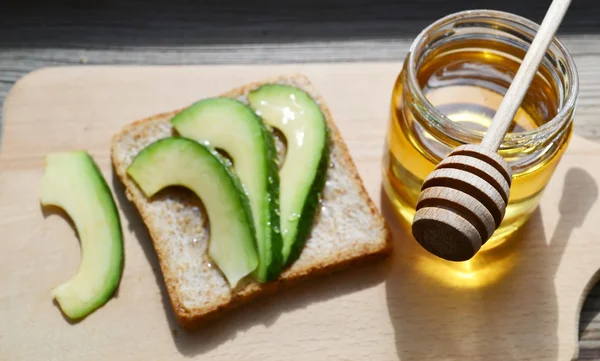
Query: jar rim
{"points": [[571, 93]]}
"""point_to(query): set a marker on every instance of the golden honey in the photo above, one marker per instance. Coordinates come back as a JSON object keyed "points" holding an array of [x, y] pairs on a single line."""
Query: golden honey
{"points": [[446, 95]]}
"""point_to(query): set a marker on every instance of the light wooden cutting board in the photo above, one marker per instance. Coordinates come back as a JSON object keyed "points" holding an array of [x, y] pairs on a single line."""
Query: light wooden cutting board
{"points": [[385, 311]]}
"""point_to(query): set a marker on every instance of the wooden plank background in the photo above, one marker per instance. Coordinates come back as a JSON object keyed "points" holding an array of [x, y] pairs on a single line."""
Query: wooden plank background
{"points": [[35, 34]]}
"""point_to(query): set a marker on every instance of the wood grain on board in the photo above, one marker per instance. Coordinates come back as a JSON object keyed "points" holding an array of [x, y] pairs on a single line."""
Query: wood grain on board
{"points": [[525, 306]]}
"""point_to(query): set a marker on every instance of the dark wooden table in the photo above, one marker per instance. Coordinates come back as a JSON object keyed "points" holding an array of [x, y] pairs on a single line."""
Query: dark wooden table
{"points": [[35, 34]]}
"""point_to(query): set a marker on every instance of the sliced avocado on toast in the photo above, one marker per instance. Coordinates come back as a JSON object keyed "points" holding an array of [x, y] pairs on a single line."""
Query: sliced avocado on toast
{"points": [[302, 176], [73, 182], [179, 161], [231, 126], [198, 296]]}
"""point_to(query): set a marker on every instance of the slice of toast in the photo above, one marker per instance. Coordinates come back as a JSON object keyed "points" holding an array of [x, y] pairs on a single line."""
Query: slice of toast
{"points": [[347, 230]]}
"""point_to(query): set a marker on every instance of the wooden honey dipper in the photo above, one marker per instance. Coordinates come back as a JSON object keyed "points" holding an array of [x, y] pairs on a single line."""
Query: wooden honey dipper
{"points": [[464, 199]]}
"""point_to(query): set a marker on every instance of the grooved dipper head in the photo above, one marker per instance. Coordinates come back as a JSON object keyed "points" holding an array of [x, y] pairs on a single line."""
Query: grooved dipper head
{"points": [[462, 202]]}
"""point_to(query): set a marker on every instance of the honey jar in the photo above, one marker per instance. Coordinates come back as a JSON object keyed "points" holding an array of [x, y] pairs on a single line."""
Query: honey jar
{"points": [[452, 82]]}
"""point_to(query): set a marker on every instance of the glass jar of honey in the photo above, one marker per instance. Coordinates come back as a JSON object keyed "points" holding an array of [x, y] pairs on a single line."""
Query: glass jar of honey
{"points": [[452, 81]]}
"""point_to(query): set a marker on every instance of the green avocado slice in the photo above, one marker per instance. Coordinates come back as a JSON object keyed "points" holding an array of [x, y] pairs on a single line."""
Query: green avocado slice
{"points": [[303, 173], [73, 182], [179, 161], [233, 127]]}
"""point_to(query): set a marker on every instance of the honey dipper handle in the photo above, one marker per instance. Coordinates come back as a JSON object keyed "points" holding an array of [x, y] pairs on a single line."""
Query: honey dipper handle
{"points": [[514, 96]]}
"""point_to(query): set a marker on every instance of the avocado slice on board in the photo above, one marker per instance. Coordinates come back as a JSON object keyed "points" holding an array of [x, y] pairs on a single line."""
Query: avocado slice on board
{"points": [[73, 182]]}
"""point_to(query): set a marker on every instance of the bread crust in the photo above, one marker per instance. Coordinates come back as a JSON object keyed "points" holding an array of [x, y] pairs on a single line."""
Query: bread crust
{"points": [[191, 319]]}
